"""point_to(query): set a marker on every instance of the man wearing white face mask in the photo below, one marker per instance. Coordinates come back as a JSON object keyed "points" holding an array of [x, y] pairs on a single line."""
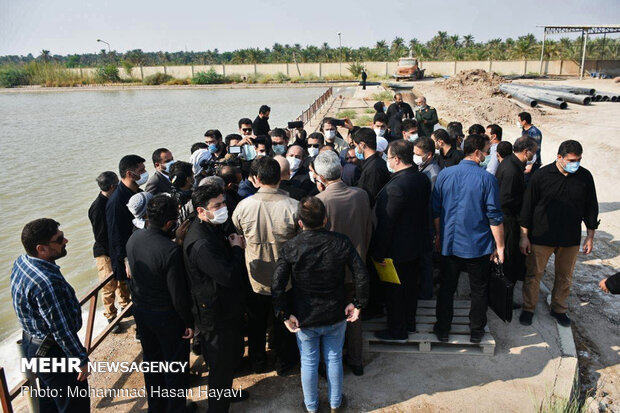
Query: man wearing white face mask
{"points": [[160, 181], [215, 272], [118, 217], [380, 126], [332, 136], [267, 220], [425, 159], [299, 173]]}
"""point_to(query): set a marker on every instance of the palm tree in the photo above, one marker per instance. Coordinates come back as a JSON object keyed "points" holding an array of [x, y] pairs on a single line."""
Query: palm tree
{"points": [[468, 40], [524, 47], [45, 55]]}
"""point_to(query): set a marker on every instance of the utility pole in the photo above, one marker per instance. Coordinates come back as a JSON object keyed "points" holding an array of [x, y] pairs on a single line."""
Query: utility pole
{"points": [[340, 43]]}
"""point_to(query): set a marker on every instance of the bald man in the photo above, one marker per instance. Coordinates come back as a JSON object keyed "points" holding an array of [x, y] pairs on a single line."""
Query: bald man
{"points": [[291, 187], [426, 117]]}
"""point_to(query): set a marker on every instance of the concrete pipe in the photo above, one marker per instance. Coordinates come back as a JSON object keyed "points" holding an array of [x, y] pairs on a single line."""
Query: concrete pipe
{"points": [[519, 96], [559, 88], [550, 101], [565, 96]]}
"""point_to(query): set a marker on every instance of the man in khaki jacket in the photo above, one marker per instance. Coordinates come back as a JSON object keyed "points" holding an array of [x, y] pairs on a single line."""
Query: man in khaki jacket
{"points": [[348, 212], [267, 220]]}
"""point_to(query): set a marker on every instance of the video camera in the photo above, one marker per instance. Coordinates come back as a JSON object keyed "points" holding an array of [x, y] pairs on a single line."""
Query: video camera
{"points": [[210, 166]]}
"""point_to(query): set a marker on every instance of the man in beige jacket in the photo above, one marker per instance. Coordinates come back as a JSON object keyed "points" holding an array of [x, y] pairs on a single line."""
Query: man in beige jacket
{"points": [[348, 212], [267, 220]]}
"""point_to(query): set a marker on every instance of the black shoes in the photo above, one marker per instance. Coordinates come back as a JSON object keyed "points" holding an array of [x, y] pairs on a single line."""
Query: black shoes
{"points": [[526, 318], [342, 407], [116, 329], [442, 336], [385, 335], [357, 370], [561, 318], [240, 397], [286, 370], [476, 338]]}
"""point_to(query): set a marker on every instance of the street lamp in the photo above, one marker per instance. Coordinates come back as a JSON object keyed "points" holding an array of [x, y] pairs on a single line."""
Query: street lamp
{"points": [[340, 43], [103, 41]]}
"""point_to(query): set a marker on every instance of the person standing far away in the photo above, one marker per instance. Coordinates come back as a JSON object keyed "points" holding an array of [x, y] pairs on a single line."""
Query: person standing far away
{"points": [[316, 308], [511, 183], [108, 182], [558, 198], [50, 315], [364, 77], [348, 213], [267, 220], [403, 234], [469, 232], [261, 123], [216, 270], [445, 145], [494, 132], [119, 219], [525, 122], [426, 117], [161, 303], [374, 171], [160, 183]]}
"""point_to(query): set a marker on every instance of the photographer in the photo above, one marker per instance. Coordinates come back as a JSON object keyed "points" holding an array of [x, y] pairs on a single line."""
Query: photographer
{"points": [[216, 269], [182, 178]]}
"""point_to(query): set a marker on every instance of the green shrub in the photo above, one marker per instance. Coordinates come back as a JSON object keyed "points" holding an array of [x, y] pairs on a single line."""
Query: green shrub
{"points": [[207, 78], [232, 79], [157, 79], [385, 95], [107, 74], [351, 114], [53, 74], [281, 77], [127, 67], [175, 81], [355, 69], [13, 76]]}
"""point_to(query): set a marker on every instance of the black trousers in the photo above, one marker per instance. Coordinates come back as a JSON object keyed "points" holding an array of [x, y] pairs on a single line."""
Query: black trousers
{"points": [[58, 382], [478, 270], [161, 333], [220, 349], [353, 335], [260, 314], [514, 260], [401, 301]]}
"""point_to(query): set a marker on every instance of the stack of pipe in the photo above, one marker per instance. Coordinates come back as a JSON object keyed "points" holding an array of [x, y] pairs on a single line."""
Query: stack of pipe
{"points": [[555, 96]]}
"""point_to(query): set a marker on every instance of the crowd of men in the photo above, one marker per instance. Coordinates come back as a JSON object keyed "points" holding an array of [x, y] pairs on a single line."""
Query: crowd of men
{"points": [[276, 235]]}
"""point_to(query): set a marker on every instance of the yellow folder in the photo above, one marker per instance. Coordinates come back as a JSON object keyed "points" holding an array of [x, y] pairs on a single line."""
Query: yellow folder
{"points": [[387, 273]]}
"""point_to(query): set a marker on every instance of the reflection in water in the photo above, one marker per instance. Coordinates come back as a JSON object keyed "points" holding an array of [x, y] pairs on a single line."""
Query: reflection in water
{"points": [[55, 144]]}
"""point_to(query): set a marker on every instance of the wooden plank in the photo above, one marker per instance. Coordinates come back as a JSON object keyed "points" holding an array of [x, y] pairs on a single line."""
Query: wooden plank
{"points": [[435, 349], [421, 328], [431, 338]]}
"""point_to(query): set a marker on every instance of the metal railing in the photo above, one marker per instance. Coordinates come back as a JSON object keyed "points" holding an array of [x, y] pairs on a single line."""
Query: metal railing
{"points": [[315, 107], [7, 396]]}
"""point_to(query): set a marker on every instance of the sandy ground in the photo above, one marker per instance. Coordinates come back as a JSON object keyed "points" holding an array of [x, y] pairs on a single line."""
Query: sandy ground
{"points": [[596, 315], [528, 366]]}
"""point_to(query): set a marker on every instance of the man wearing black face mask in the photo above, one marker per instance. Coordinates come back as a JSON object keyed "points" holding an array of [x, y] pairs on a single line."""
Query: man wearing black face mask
{"points": [[161, 300], [260, 126]]}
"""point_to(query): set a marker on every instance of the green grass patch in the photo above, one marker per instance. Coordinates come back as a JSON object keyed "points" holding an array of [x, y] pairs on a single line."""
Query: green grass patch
{"points": [[157, 79], [351, 114], [369, 110], [383, 96], [363, 121]]}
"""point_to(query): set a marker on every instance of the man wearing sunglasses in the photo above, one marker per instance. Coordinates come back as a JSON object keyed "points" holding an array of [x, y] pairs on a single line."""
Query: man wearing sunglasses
{"points": [[50, 315]]}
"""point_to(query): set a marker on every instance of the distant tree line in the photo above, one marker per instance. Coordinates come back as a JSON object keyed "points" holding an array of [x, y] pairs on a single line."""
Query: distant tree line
{"points": [[441, 47]]}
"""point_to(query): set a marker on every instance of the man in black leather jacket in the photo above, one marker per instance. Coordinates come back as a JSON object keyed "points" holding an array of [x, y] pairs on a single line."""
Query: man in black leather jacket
{"points": [[314, 262], [216, 272]]}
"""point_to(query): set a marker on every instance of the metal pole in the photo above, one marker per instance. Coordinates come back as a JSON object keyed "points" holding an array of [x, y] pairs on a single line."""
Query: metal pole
{"points": [[542, 52], [340, 43], [583, 56]]}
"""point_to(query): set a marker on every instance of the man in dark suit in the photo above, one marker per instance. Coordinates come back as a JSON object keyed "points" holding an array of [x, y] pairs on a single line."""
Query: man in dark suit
{"points": [[402, 234], [374, 172], [511, 180], [160, 181], [292, 187]]}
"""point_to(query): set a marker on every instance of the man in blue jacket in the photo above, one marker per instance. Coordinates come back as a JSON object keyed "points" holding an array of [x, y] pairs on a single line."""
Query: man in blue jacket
{"points": [[469, 221]]}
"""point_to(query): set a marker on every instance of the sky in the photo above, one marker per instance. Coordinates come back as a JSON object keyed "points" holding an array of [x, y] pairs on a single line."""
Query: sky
{"points": [[73, 26]]}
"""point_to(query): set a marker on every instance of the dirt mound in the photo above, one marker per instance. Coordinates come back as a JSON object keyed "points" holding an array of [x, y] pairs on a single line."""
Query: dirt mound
{"points": [[481, 101], [477, 79]]}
